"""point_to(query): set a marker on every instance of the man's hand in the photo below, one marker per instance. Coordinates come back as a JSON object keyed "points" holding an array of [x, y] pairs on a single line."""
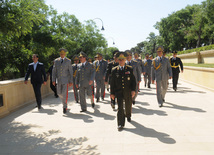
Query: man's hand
{"points": [[70, 84], [153, 81], [182, 71], [54, 83], [144, 73], [112, 96], [44, 82], [25, 82], [133, 94], [77, 85], [90, 82], [170, 77]]}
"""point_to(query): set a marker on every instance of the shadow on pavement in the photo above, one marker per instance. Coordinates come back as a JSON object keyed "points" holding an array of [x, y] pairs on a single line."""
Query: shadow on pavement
{"points": [[97, 113], [139, 109], [179, 107], [148, 132], [46, 111], [84, 117], [141, 103], [17, 139]]}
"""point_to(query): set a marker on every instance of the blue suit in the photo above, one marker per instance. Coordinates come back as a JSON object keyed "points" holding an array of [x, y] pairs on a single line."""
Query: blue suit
{"points": [[37, 78]]}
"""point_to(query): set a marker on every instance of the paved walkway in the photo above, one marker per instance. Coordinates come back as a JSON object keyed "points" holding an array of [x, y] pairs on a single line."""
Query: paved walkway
{"points": [[184, 125]]}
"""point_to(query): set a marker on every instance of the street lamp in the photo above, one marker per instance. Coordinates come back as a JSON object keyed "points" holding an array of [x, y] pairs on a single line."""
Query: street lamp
{"points": [[112, 39], [102, 23]]}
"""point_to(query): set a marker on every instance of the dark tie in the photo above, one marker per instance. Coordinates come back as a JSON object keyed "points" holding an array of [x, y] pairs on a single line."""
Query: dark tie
{"points": [[83, 65], [129, 63], [160, 59], [61, 61]]}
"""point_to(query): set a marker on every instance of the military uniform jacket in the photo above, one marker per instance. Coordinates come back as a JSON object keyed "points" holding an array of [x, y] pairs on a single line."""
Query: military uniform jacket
{"points": [[36, 76], [141, 64], [175, 64], [109, 69], [147, 66], [122, 82], [136, 69], [74, 66], [100, 69], [62, 72], [85, 74], [162, 68]]}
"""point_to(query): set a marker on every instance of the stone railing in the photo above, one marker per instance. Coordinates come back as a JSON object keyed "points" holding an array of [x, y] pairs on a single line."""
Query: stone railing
{"points": [[15, 94]]}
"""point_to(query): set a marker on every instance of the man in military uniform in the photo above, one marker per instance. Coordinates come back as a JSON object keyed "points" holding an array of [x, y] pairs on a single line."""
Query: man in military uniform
{"points": [[109, 75], [136, 70], [147, 70], [90, 60], [62, 74], [175, 62], [84, 80], [123, 87], [100, 67], [162, 72], [136, 58], [74, 66]]}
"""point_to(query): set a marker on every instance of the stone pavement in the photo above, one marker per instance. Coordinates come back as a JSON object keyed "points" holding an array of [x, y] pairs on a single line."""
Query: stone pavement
{"points": [[184, 125]]}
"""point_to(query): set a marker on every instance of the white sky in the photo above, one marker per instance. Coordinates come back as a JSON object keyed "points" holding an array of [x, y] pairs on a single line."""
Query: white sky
{"points": [[127, 22]]}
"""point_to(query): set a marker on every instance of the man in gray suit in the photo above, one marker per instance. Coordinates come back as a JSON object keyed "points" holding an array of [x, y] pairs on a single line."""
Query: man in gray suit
{"points": [[147, 70], [162, 72], [136, 70], [100, 67], [84, 80], [74, 66], [62, 74]]}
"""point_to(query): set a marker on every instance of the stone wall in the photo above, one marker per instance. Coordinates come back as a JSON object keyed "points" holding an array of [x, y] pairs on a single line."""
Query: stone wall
{"points": [[17, 94]]}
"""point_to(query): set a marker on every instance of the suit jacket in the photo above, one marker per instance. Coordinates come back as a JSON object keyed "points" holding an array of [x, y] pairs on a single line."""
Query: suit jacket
{"points": [[62, 72], [147, 66], [109, 70], [162, 68], [37, 76], [175, 64], [100, 69], [136, 69], [122, 82], [140, 64], [74, 66], [85, 74]]}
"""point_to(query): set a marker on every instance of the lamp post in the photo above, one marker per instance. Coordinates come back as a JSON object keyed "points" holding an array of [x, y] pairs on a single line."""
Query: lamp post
{"points": [[102, 23], [112, 40]]}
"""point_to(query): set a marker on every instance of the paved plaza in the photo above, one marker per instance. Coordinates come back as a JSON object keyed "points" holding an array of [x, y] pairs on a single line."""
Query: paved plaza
{"points": [[184, 125]]}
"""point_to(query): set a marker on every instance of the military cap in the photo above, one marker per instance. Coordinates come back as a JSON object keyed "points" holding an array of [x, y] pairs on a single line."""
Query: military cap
{"points": [[121, 55], [82, 54], [160, 48], [75, 57], [99, 54], [174, 52], [62, 50], [136, 53], [128, 52], [115, 53], [150, 56], [90, 59], [147, 54]]}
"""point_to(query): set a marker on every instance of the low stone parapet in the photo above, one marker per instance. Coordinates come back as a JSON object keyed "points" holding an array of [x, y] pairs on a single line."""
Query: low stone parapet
{"points": [[15, 94]]}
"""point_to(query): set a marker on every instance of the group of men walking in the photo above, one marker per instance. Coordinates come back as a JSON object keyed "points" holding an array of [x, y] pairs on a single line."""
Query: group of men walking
{"points": [[123, 75]]}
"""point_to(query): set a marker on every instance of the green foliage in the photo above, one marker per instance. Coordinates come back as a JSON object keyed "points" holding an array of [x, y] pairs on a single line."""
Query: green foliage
{"points": [[28, 27]]}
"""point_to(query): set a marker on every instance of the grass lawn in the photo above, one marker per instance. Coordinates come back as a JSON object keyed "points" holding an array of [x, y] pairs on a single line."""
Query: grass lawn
{"points": [[199, 65]]}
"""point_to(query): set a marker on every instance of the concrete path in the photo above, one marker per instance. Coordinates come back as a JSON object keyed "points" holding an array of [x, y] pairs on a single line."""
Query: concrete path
{"points": [[184, 125]]}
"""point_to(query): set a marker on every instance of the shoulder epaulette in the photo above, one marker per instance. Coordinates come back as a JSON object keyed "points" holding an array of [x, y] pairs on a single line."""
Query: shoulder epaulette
{"points": [[40, 63], [129, 66], [134, 60], [116, 67]]}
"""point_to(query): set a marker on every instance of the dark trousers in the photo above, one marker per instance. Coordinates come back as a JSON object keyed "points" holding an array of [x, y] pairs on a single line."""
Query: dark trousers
{"points": [[128, 108], [53, 88], [37, 91], [175, 76]]}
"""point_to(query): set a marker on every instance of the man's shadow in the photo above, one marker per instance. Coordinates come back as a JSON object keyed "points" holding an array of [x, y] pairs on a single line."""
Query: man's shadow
{"points": [[148, 132], [84, 117], [179, 107], [46, 111], [97, 113], [139, 109]]}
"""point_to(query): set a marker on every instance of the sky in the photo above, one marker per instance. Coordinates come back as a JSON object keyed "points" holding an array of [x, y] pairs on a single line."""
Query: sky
{"points": [[126, 22]]}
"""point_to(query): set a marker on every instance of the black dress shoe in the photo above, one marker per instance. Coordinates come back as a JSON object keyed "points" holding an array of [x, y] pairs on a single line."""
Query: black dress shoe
{"points": [[120, 128], [149, 86], [93, 105], [77, 101], [98, 99], [103, 98], [133, 102], [56, 96], [64, 110], [163, 100], [83, 110], [145, 85], [129, 119], [138, 90], [161, 105]]}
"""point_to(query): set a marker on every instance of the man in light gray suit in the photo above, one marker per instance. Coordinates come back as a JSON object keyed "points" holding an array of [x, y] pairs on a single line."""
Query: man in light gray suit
{"points": [[84, 80], [62, 74], [100, 66], [136, 70], [162, 72]]}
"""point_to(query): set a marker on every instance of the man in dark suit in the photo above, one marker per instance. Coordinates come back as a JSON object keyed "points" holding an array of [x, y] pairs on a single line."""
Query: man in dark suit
{"points": [[175, 62], [123, 87], [38, 77]]}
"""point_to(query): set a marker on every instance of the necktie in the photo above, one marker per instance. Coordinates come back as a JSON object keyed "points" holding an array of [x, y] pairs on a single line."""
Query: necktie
{"points": [[160, 59], [61, 61], [83, 65], [129, 63]]}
